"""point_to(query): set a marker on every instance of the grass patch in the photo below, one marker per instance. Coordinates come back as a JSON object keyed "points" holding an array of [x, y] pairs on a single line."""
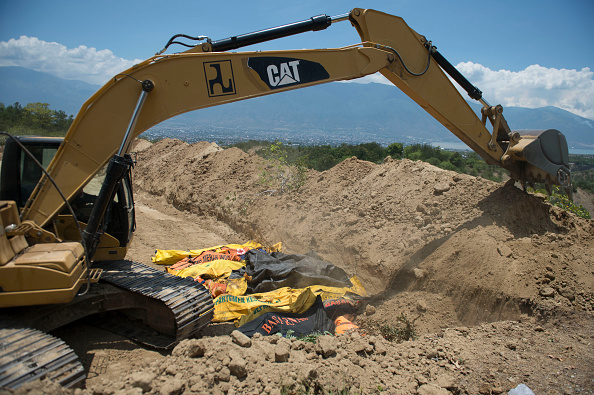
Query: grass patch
{"points": [[403, 330]]}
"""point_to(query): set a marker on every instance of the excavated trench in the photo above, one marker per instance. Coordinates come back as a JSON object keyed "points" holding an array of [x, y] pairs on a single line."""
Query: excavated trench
{"points": [[483, 251]]}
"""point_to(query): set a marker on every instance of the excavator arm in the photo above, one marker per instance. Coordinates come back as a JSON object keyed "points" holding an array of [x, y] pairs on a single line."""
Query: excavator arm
{"points": [[166, 85], [535, 157]]}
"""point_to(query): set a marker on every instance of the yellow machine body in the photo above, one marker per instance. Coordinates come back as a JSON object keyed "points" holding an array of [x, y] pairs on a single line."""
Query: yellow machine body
{"points": [[45, 273]]}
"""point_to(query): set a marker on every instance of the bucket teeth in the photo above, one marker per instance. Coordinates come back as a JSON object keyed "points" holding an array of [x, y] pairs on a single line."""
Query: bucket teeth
{"points": [[548, 187], [542, 157]]}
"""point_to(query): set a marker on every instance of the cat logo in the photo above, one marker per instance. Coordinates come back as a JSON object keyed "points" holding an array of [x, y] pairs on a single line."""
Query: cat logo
{"points": [[288, 73], [220, 78], [279, 72]]}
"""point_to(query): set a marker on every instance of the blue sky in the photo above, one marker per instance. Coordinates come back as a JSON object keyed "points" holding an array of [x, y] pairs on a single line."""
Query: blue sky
{"points": [[527, 53]]}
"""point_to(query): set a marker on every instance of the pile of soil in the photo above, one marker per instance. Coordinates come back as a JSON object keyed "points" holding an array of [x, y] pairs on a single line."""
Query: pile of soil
{"points": [[498, 284]]}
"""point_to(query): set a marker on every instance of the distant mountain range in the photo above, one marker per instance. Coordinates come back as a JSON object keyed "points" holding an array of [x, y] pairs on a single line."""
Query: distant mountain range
{"points": [[18, 84], [370, 109]]}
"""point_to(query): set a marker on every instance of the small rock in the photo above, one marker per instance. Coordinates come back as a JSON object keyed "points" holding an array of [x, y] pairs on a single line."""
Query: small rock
{"points": [[297, 345], [369, 310], [441, 188], [241, 339], [446, 381], [421, 379], [281, 353], [567, 293], [485, 389], [237, 368], [419, 273], [198, 386], [224, 374], [521, 389], [547, 292], [421, 305], [359, 345], [308, 372], [504, 251], [380, 348], [432, 389], [193, 348], [419, 221], [327, 345], [172, 387], [142, 380]]}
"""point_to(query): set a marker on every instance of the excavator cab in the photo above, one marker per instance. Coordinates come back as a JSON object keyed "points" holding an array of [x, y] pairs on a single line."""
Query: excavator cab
{"points": [[20, 174], [45, 273]]}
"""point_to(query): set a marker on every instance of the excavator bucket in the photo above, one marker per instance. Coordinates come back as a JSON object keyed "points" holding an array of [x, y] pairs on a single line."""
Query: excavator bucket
{"points": [[546, 158]]}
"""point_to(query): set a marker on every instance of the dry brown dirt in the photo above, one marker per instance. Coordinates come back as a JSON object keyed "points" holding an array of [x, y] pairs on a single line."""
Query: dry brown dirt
{"points": [[499, 284]]}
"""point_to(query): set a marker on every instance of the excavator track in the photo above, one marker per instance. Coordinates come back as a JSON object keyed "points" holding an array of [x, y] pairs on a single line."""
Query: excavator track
{"points": [[189, 303], [27, 354], [171, 309]]}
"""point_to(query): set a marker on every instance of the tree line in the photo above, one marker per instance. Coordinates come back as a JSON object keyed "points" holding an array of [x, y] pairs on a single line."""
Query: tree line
{"points": [[33, 119], [324, 157], [582, 172]]}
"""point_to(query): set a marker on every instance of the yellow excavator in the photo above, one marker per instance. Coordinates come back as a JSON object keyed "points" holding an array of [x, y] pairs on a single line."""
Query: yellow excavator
{"points": [[66, 205]]}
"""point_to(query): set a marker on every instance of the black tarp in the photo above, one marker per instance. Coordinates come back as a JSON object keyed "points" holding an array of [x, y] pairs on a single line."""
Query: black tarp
{"points": [[273, 271], [312, 321]]}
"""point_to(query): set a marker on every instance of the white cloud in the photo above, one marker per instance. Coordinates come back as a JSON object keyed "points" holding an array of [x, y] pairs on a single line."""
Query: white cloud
{"points": [[533, 87], [81, 63]]}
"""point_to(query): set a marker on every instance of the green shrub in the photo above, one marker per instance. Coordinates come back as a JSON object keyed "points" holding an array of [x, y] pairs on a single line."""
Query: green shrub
{"points": [[279, 175], [560, 199]]}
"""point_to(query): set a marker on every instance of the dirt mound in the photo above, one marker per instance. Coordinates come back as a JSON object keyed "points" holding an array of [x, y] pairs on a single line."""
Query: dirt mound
{"points": [[498, 284], [487, 359], [473, 239], [443, 249]]}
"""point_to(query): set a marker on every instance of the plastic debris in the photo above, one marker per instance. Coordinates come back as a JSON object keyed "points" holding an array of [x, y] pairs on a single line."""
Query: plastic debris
{"points": [[521, 389]]}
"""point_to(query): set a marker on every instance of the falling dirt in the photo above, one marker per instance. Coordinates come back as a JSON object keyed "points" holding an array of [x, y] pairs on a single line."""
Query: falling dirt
{"points": [[498, 284]]}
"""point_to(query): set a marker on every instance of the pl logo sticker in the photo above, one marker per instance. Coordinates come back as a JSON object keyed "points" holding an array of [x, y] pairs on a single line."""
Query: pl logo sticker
{"points": [[220, 79]]}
